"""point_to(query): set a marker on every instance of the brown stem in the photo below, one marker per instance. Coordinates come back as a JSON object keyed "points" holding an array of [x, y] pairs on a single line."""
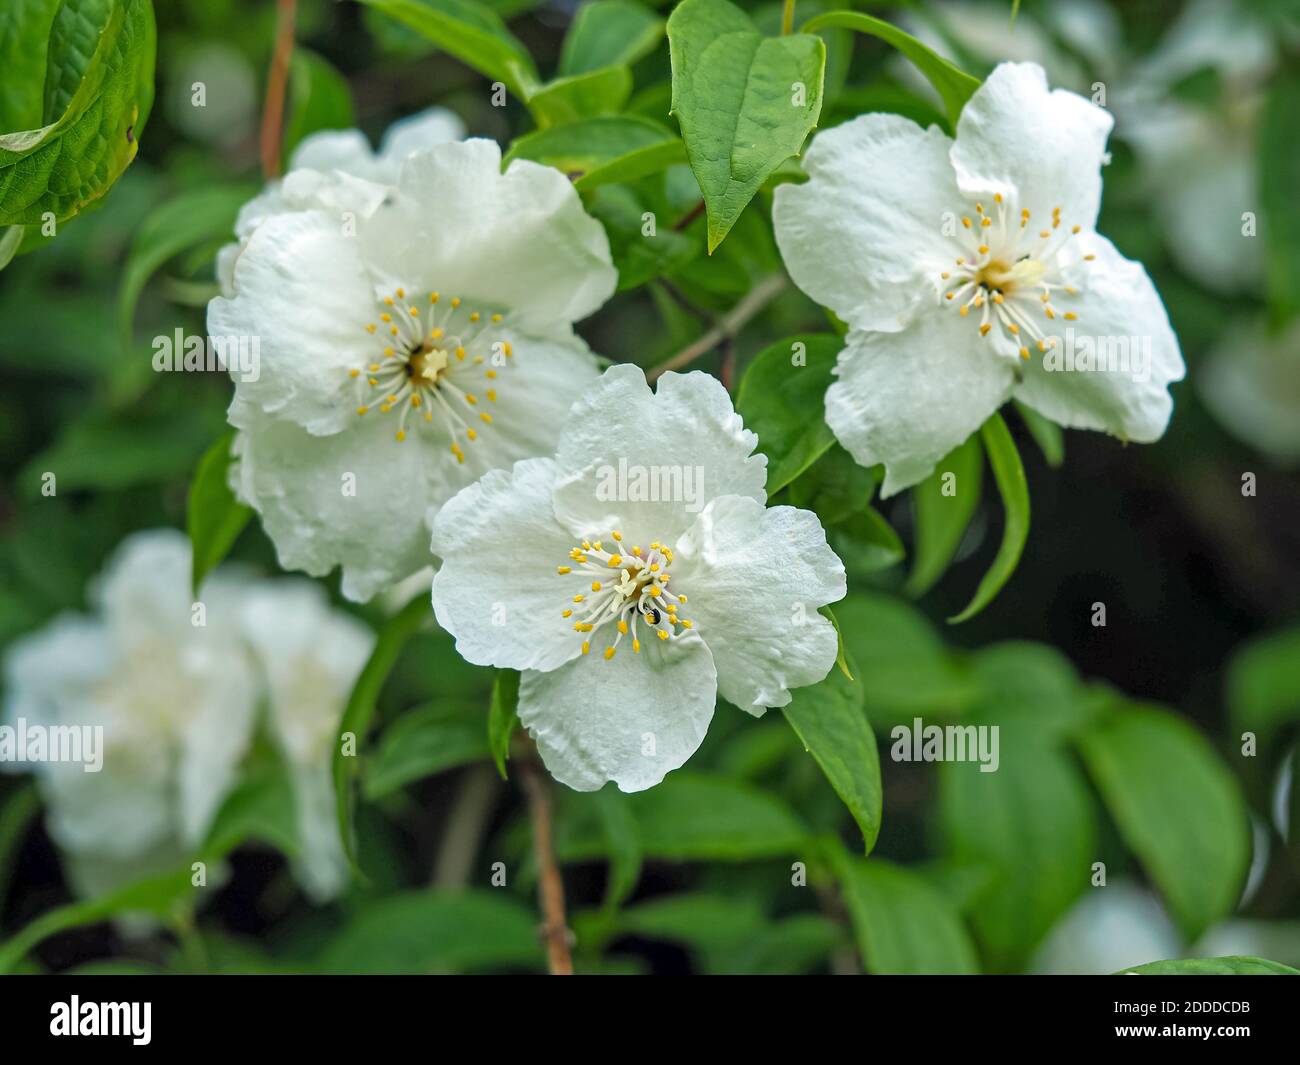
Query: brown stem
{"points": [[731, 323], [276, 83], [550, 888], [689, 217]]}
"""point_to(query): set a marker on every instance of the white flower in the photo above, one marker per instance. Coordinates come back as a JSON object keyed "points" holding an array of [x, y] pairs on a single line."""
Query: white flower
{"points": [[411, 338], [636, 576], [176, 701], [340, 152], [310, 656], [176, 687], [969, 271], [1251, 384]]}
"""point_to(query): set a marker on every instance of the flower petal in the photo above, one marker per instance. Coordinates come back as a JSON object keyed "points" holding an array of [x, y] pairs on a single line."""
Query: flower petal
{"points": [[357, 498], [1120, 313], [406, 136], [303, 294], [754, 579], [631, 720], [498, 591], [906, 399], [1039, 149], [866, 227], [519, 241], [619, 434]]}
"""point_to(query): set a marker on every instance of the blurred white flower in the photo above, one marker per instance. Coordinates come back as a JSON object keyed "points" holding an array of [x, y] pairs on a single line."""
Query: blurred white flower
{"points": [[177, 702], [969, 271], [310, 655], [412, 337], [1251, 384], [631, 606], [176, 686], [1111, 928]]}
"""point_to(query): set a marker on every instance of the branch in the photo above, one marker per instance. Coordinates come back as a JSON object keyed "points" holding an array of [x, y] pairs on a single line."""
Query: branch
{"points": [[276, 83], [731, 323], [550, 888]]}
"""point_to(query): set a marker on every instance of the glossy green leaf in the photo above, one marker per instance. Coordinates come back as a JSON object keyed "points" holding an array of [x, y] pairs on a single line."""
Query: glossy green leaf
{"points": [[641, 252], [214, 517], [745, 102], [903, 925], [781, 398], [1263, 687], [420, 932], [1234, 966], [624, 842], [24, 43], [1014, 489], [866, 542], [474, 34], [1177, 806], [1031, 820], [422, 742], [192, 219], [503, 716], [579, 96], [829, 719], [360, 710], [953, 85], [97, 96], [607, 33], [1279, 177], [944, 504], [319, 99], [1049, 436], [601, 150]]}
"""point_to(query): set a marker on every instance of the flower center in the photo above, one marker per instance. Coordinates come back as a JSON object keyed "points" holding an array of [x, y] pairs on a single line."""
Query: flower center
{"points": [[1008, 271], [624, 589], [429, 362]]}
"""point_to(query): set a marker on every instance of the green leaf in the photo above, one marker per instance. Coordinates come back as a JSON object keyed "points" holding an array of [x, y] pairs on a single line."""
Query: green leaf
{"points": [[834, 486], [953, 85], [691, 816], [903, 925], [609, 32], [624, 842], [262, 807], [215, 518], [1031, 821], [319, 99], [579, 96], [734, 96], [1279, 177], [905, 668], [599, 151], [1236, 966], [829, 720], [866, 542], [1046, 433], [189, 220], [503, 716], [639, 254], [419, 932], [360, 710], [158, 896], [1263, 687], [474, 34], [1014, 489], [781, 399], [1176, 806], [17, 811], [423, 742], [98, 93], [945, 502], [24, 35], [10, 239]]}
